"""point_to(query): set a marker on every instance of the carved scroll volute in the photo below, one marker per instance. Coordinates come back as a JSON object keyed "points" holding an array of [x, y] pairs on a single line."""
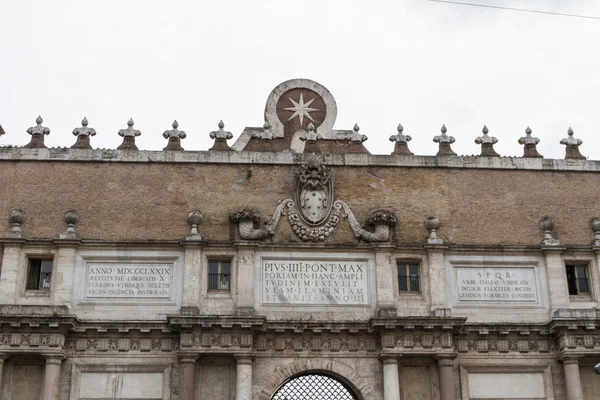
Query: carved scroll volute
{"points": [[247, 218], [381, 220]]}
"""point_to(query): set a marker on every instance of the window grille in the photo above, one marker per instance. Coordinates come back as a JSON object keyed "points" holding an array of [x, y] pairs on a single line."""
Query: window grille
{"points": [[219, 275], [313, 387], [408, 277]]}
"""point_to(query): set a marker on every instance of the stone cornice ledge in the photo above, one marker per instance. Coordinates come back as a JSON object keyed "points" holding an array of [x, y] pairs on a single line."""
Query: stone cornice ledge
{"points": [[288, 158]]}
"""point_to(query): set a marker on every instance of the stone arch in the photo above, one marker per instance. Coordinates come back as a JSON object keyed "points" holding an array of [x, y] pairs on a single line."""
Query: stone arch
{"points": [[336, 369]]}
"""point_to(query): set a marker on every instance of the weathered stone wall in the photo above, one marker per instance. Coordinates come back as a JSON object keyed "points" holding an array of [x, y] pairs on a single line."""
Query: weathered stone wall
{"points": [[149, 201]]}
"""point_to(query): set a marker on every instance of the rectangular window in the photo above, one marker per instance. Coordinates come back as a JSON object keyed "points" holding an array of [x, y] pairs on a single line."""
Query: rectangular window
{"points": [[219, 274], [577, 279], [408, 277], [39, 274]]}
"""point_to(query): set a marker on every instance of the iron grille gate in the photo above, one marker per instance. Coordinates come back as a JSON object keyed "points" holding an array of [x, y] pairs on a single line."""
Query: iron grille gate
{"points": [[313, 387]]}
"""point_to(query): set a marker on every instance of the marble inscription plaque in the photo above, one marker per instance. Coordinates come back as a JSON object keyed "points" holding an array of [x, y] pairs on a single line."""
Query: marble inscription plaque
{"points": [[496, 284], [314, 282], [106, 280]]}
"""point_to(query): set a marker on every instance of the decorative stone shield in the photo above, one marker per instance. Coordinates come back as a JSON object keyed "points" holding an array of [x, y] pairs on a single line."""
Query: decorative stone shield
{"points": [[314, 192]]}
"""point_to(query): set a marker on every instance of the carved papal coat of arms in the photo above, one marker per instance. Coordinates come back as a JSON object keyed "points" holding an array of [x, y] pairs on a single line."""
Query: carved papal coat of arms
{"points": [[314, 192]]}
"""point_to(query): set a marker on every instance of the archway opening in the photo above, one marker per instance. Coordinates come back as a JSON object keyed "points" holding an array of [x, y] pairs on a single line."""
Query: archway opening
{"points": [[313, 386]]}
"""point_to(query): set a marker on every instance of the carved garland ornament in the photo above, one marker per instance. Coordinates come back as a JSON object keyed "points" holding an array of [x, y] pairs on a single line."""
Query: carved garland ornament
{"points": [[313, 215]]}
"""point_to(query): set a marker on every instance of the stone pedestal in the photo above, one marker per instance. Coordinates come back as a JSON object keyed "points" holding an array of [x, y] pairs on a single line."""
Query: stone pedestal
{"points": [[187, 377], [391, 379], [52, 377], [572, 379], [82, 142], [446, 368], [174, 144], [243, 385]]}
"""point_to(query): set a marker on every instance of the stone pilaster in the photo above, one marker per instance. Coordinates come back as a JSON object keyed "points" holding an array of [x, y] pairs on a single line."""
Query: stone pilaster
{"points": [[437, 277], [245, 279], [11, 259], [51, 385], [63, 272], [385, 283], [557, 280], [192, 275], [572, 378], [3, 356], [446, 368], [243, 386], [187, 376], [391, 378]]}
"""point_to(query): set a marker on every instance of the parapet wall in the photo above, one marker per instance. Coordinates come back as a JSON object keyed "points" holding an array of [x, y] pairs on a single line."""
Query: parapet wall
{"points": [[124, 195]]}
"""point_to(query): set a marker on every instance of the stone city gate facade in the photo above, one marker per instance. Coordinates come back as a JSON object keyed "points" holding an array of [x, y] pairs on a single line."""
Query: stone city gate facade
{"points": [[223, 274]]}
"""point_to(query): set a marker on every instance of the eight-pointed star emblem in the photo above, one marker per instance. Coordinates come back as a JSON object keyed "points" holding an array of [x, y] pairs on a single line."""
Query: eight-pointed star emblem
{"points": [[301, 109]]}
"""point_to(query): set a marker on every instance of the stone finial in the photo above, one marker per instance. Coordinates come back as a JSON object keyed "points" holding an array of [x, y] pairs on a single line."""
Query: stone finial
{"points": [[572, 150], [433, 224], [547, 226], [444, 143], [16, 218], [71, 218], [401, 140], [83, 135], [487, 144], [221, 137], [355, 137], [311, 136], [129, 135], [530, 143], [595, 223], [37, 135], [174, 137], [194, 218]]}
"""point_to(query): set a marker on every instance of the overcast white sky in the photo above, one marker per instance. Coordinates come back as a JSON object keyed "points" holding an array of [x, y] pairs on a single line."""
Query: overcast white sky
{"points": [[418, 62]]}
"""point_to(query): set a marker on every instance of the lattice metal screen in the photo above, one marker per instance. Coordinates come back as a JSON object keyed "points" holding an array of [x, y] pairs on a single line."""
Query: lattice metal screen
{"points": [[313, 387]]}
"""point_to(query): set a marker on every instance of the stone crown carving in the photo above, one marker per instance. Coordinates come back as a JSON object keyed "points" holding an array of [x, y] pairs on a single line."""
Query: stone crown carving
{"points": [[311, 136], [444, 142], [129, 134], [221, 134], [37, 133], [355, 136], [129, 131], [401, 140], [221, 137], [174, 137], [572, 150], [84, 130], [530, 144], [83, 134], [487, 143]]}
